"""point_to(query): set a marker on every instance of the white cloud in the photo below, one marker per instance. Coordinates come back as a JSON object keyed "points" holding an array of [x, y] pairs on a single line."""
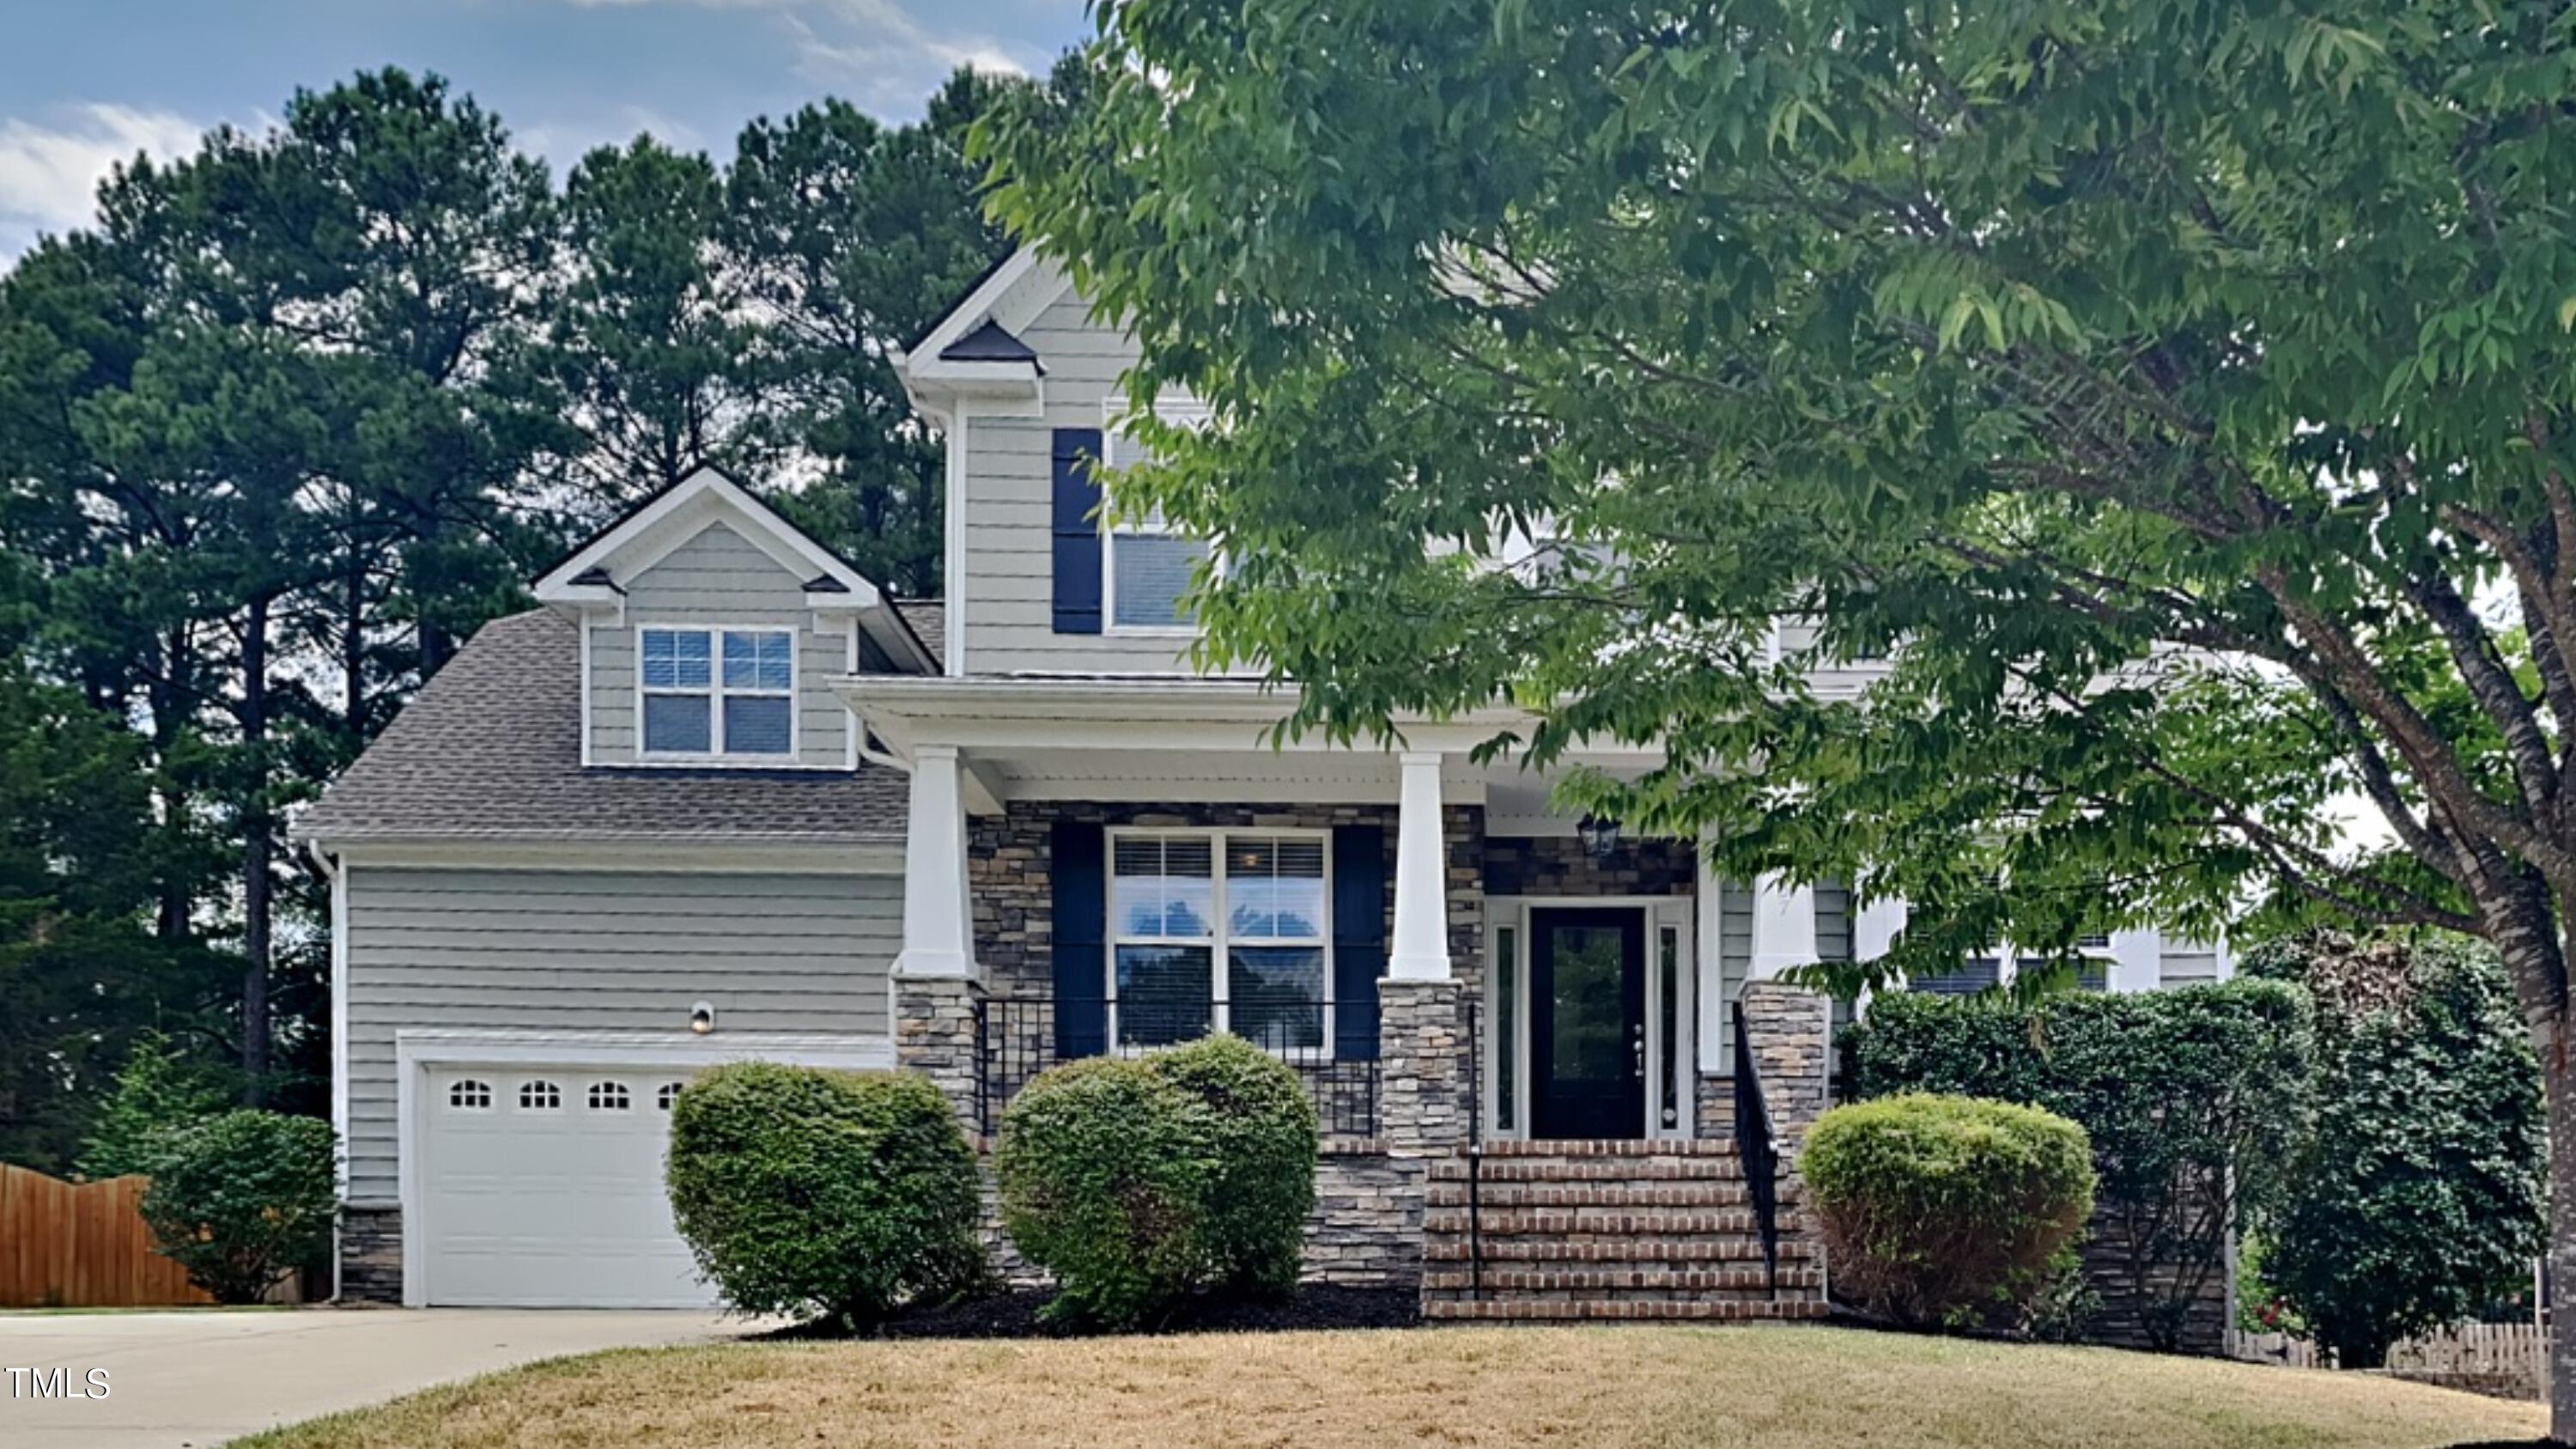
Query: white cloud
{"points": [[49, 175], [877, 52]]}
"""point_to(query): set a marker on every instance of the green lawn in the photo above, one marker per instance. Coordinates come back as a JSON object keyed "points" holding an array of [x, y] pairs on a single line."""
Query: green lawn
{"points": [[1780, 1388]]}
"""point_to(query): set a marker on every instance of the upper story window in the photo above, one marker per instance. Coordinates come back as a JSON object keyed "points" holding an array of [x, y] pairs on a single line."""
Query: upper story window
{"points": [[719, 691], [1145, 566]]}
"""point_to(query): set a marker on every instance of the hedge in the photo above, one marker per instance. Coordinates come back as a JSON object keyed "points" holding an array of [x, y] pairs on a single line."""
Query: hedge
{"points": [[242, 1199], [838, 1196], [1141, 1181], [2193, 1098], [1939, 1211]]}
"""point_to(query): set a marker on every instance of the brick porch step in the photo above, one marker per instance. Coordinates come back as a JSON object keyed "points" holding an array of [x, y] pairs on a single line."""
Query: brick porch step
{"points": [[1522, 1167], [1534, 1310], [1625, 1222], [1619, 1251], [1718, 1284], [1686, 1193], [1635, 1147]]}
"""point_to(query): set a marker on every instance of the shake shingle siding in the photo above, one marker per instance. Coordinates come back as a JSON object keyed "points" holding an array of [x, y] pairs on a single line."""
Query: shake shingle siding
{"points": [[588, 951]]}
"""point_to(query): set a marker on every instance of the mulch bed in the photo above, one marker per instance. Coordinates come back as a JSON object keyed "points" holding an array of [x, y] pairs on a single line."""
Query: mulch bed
{"points": [[1014, 1314]]}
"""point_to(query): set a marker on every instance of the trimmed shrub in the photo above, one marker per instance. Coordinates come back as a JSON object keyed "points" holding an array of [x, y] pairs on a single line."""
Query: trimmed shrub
{"points": [[1263, 1143], [2418, 1194], [2194, 1100], [1105, 1168], [1939, 1210], [242, 1199], [831, 1195]]}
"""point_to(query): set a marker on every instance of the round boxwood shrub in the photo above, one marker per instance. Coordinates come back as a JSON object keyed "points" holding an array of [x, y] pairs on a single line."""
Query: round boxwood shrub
{"points": [[241, 1199], [838, 1196], [1105, 1167], [1263, 1143], [1939, 1210]]}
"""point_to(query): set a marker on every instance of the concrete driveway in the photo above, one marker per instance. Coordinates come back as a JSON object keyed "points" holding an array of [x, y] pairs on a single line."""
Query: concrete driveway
{"points": [[189, 1380]]}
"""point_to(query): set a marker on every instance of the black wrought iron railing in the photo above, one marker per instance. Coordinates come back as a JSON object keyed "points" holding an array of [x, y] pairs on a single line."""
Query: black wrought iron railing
{"points": [[1018, 1036], [1757, 1150], [1475, 1150]]}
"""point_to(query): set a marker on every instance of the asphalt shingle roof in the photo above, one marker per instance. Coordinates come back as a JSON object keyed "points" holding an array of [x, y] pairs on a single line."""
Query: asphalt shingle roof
{"points": [[928, 619], [491, 750]]}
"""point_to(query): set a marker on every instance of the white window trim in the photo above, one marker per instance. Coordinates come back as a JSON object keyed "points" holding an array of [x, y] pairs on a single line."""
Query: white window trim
{"points": [[1680, 914], [715, 757], [1221, 1006], [1186, 413]]}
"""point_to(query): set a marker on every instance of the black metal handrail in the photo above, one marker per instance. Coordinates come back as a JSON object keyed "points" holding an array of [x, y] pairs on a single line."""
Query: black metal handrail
{"points": [[1757, 1150], [1475, 1150], [1016, 1038]]}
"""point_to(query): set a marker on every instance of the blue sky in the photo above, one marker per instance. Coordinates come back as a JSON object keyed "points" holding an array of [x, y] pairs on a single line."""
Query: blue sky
{"points": [[87, 83]]}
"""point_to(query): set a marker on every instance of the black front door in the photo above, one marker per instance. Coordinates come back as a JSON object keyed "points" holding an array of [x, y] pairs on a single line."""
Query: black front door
{"points": [[1588, 1023]]}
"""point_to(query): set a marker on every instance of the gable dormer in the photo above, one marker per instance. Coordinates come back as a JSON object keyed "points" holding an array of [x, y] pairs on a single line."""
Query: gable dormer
{"points": [[710, 631]]}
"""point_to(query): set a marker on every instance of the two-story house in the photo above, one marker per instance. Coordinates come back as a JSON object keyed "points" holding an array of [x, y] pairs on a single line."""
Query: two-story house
{"points": [[719, 797]]}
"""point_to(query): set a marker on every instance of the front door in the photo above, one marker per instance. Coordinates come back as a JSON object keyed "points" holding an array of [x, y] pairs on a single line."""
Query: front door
{"points": [[1588, 1022]]}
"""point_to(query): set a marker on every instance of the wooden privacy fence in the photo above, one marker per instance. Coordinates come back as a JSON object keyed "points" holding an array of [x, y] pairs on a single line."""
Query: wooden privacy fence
{"points": [[2508, 1360], [81, 1245]]}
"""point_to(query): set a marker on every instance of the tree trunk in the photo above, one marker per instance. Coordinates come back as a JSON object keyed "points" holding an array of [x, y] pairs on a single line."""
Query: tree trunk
{"points": [[2558, 1081], [256, 850]]}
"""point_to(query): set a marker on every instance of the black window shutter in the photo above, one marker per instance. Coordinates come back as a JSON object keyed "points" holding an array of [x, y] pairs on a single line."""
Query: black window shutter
{"points": [[1077, 531], [1359, 937], [1081, 940]]}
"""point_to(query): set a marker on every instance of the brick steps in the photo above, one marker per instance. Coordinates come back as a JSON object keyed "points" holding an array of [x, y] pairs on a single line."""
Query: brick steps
{"points": [[1713, 1284], [1623, 1251], [1521, 1167], [1609, 1231], [1504, 1196], [1534, 1310]]}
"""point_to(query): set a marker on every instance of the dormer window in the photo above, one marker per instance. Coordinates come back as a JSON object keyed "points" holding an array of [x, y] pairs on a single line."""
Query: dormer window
{"points": [[718, 692]]}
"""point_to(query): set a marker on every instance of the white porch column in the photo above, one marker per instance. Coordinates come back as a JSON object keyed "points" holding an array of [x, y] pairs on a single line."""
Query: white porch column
{"points": [[1420, 951], [938, 926], [1874, 928], [2137, 960], [1784, 927]]}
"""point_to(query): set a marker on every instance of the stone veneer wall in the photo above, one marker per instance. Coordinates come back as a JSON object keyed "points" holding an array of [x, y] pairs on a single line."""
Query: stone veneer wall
{"points": [[1009, 873], [1558, 865], [1367, 1225], [371, 1267], [1791, 1029]]}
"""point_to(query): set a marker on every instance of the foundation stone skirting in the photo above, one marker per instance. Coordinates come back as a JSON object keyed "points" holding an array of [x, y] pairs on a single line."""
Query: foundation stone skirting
{"points": [[371, 1269]]}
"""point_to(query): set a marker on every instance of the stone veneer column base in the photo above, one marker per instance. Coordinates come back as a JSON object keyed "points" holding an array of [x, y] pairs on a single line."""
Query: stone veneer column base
{"points": [[1792, 1032], [371, 1269], [934, 1034], [1422, 1106]]}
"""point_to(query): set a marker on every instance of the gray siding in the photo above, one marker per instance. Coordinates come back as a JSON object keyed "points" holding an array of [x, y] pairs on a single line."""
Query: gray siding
{"points": [[598, 951], [1010, 584], [1734, 958], [719, 578]]}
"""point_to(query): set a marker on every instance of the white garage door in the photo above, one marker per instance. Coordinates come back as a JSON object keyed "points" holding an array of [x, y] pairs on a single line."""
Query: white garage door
{"points": [[542, 1188]]}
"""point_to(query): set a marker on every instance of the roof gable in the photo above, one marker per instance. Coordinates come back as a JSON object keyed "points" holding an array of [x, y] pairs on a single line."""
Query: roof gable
{"points": [[650, 531]]}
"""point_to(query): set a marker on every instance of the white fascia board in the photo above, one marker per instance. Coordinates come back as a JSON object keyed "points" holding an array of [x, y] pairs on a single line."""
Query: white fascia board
{"points": [[706, 496], [703, 856], [970, 313]]}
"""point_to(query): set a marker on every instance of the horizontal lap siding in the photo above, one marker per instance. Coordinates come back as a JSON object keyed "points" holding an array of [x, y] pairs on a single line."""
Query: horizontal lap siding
{"points": [[719, 578], [578, 951], [2186, 963], [1010, 586]]}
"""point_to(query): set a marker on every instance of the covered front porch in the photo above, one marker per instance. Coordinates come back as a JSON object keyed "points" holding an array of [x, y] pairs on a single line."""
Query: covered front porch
{"points": [[1113, 864]]}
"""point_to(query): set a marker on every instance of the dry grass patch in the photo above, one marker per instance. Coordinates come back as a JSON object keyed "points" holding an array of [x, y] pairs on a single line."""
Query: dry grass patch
{"points": [[1777, 1388]]}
